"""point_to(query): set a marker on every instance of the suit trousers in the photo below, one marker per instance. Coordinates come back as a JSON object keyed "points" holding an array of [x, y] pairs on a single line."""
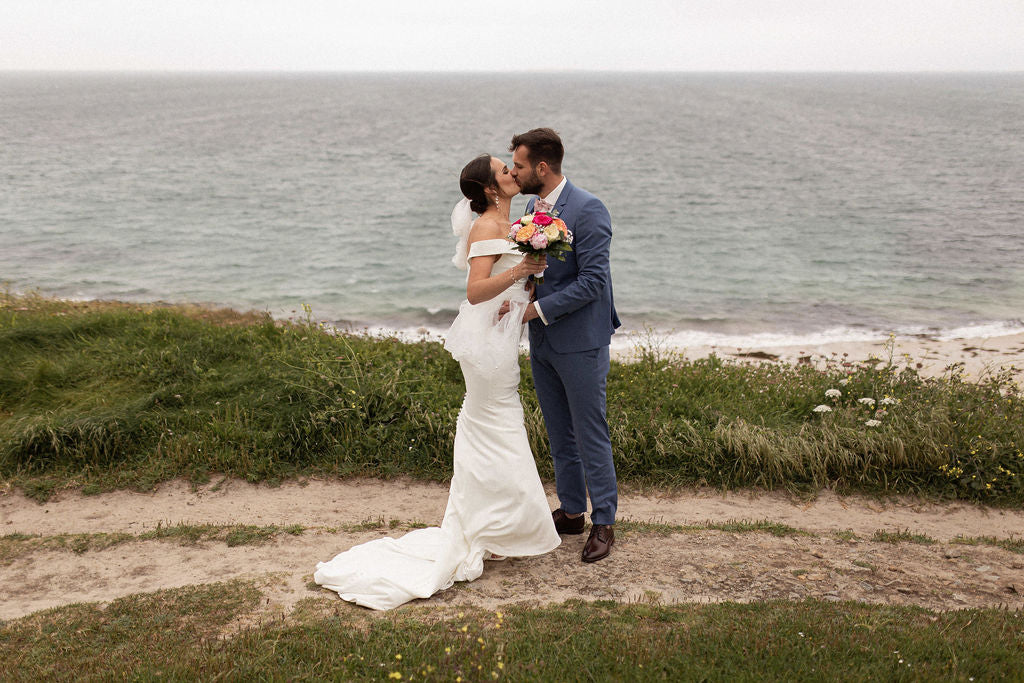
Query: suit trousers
{"points": [[571, 388]]}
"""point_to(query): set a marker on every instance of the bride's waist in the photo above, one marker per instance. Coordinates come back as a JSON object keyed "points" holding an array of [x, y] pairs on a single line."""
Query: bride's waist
{"points": [[516, 294]]}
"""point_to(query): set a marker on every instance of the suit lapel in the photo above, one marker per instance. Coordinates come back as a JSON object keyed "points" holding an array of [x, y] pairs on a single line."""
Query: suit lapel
{"points": [[563, 198]]}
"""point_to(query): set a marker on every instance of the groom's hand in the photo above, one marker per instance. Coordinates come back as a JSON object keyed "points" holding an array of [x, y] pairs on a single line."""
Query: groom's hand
{"points": [[529, 314]]}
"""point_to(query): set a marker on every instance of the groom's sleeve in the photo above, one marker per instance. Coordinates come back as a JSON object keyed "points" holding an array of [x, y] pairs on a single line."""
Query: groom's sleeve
{"points": [[592, 243]]}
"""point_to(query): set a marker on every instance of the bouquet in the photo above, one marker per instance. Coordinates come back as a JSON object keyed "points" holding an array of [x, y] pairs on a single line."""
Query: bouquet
{"points": [[541, 232]]}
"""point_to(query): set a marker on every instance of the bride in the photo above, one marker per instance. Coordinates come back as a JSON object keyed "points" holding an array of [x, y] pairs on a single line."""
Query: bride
{"points": [[496, 503]]}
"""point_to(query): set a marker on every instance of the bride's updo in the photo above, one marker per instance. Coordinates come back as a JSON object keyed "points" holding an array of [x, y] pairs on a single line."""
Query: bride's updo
{"points": [[476, 178]]}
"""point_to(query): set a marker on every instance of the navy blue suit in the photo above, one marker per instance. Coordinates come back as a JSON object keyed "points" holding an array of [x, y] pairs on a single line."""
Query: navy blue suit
{"points": [[569, 357]]}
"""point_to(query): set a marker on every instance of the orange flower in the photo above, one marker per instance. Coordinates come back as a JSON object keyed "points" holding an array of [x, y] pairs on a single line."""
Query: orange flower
{"points": [[561, 225], [525, 233]]}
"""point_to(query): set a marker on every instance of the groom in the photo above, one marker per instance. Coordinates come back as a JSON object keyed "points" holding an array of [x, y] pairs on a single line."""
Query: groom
{"points": [[571, 324]]}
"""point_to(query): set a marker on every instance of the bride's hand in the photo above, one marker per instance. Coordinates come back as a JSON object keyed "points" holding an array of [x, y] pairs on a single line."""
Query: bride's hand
{"points": [[532, 264]]}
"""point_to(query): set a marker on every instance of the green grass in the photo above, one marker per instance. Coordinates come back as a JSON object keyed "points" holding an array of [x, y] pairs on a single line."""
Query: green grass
{"points": [[906, 536], [733, 526], [194, 633], [103, 396], [17, 545], [1014, 545]]}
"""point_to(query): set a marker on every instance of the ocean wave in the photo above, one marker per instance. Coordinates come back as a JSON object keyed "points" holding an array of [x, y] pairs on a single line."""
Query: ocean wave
{"points": [[689, 339], [414, 324], [681, 339], [999, 328]]}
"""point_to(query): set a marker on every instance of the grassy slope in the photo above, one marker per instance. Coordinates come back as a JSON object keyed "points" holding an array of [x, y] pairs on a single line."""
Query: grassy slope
{"points": [[112, 395]]}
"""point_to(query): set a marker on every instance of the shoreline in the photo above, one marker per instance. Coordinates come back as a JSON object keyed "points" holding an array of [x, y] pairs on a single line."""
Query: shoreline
{"points": [[932, 355]]}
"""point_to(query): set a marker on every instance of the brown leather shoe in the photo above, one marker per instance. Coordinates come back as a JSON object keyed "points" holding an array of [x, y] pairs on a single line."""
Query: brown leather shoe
{"points": [[602, 538], [564, 524]]}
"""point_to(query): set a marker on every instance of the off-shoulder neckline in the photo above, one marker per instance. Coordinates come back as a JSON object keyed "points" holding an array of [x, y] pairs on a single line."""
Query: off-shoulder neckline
{"points": [[493, 239]]}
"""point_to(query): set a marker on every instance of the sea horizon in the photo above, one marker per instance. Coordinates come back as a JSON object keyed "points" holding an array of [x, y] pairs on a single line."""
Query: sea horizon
{"points": [[746, 206], [513, 72]]}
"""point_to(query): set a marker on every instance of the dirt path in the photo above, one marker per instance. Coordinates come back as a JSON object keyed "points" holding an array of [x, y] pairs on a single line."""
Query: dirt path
{"points": [[647, 565]]}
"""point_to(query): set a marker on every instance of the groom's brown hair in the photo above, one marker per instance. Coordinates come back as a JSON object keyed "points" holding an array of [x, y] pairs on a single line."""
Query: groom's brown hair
{"points": [[544, 145]]}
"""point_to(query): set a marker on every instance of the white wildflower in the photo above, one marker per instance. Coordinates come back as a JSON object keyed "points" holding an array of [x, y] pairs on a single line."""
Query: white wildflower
{"points": [[867, 401], [887, 401], [833, 393], [873, 423], [844, 381], [823, 409]]}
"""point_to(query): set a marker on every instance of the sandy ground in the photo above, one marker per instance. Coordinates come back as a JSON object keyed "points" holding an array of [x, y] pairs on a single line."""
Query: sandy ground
{"points": [[979, 355], [700, 566]]}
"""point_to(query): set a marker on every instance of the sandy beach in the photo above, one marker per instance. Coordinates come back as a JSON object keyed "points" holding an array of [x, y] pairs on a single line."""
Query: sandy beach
{"points": [[979, 356]]}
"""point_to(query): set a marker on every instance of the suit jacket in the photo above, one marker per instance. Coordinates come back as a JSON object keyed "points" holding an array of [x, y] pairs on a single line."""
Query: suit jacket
{"points": [[576, 296]]}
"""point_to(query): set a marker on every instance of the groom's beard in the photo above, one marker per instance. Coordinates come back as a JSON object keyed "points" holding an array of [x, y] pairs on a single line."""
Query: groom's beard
{"points": [[532, 187]]}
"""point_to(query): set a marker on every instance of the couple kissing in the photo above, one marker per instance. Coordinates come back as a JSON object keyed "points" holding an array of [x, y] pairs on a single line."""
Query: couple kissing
{"points": [[496, 503]]}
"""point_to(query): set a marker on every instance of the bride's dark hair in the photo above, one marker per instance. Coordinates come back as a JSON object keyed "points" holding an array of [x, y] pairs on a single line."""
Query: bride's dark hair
{"points": [[477, 176]]}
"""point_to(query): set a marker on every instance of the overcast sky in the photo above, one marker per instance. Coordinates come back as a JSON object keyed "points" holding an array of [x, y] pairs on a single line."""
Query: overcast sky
{"points": [[460, 35]]}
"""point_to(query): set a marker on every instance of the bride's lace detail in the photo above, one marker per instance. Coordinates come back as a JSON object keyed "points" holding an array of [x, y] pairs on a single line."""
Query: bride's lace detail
{"points": [[496, 503]]}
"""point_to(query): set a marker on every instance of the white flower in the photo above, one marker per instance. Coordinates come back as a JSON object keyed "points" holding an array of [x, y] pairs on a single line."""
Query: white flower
{"points": [[823, 409], [873, 423], [888, 401], [867, 401], [833, 393], [844, 381]]}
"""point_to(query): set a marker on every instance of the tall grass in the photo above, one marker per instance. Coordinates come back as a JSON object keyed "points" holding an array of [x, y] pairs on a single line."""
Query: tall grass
{"points": [[111, 395]]}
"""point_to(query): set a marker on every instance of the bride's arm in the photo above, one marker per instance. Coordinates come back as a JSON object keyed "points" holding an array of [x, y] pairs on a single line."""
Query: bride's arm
{"points": [[482, 286]]}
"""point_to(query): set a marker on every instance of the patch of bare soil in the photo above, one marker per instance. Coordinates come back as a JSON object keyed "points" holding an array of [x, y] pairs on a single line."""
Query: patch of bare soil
{"points": [[646, 566]]}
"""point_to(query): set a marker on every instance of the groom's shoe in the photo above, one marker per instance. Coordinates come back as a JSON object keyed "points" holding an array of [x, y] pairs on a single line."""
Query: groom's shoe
{"points": [[564, 524], [602, 538]]}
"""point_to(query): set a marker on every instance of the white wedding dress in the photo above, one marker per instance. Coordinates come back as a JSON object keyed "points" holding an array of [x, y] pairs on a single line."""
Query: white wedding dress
{"points": [[496, 503]]}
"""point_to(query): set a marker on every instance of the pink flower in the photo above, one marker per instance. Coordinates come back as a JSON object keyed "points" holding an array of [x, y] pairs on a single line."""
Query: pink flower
{"points": [[542, 219], [539, 241]]}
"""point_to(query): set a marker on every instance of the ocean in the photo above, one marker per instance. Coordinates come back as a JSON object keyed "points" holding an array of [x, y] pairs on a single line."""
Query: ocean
{"points": [[747, 208]]}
